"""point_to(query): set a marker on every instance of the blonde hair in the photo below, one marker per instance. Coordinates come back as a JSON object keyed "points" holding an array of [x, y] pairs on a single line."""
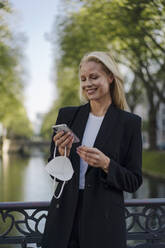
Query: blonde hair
{"points": [[109, 66]]}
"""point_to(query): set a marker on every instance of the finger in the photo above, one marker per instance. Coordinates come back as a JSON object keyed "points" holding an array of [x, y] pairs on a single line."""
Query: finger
{"points": [[63, 138], [88, 149], [66, 142], [82, 156], [70, 143], [58, 135], [91, 161], [92, 156], [89, 155]]}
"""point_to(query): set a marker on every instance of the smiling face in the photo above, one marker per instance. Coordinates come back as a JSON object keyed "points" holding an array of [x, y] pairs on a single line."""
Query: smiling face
{"points": [[95, 82]]}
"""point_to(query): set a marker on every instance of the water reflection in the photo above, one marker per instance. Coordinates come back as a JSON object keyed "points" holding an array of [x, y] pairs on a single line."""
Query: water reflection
{"points": [[151, 188], [12, 174], [24, 178]]}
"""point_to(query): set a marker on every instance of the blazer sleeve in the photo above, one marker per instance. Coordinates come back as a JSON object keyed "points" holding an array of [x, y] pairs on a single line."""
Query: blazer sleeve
{"points": [[52, 145], [65, 115], [128, 176]]}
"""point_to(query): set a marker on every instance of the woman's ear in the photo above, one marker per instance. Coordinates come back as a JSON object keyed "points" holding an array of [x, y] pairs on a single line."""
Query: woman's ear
{"points": [[110, 78]]}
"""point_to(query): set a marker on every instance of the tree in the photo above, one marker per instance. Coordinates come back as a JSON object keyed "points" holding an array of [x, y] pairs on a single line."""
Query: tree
{"points": [[12, 111], [134, 31], [68, 88]]}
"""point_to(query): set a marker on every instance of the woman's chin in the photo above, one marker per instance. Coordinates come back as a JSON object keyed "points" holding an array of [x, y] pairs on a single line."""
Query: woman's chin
{"points": [[91, 96]]}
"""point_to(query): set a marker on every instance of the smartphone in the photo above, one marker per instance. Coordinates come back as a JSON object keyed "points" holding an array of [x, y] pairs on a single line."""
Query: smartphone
{"points": [[65, 128]]}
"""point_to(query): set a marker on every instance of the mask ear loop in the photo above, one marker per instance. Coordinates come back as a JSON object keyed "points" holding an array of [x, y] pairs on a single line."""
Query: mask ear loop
{"points": [[55, 184], [65, 152], [55, 148]]}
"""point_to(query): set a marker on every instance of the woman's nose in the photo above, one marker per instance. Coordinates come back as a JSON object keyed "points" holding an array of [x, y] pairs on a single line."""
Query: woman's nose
{"points": [[88, 82]]}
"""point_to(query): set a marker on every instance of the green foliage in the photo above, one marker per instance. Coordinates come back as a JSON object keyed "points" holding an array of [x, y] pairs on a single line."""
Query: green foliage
{"points": [[68, 89], [49, 120], [145, 125], [68, 86], [153, 163], [134, 33], [12, 111], [18, 124], [126, 27]]}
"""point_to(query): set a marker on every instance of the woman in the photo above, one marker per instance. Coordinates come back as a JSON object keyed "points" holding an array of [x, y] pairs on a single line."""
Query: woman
{"points": [[106, 162]]}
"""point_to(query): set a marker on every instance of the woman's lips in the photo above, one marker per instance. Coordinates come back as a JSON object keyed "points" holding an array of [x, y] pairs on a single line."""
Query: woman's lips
{"points": [[91, 91]]}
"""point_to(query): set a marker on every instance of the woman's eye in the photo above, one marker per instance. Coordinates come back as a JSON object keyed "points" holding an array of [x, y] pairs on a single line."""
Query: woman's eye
{"points": [[94, 77]]}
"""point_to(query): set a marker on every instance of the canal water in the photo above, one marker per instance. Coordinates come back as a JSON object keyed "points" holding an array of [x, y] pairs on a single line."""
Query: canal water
{"points": [[23, 178]]}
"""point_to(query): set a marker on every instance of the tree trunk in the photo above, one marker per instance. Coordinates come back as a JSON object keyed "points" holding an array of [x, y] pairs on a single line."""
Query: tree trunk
{"points": [[152, 117], [152, 129]]}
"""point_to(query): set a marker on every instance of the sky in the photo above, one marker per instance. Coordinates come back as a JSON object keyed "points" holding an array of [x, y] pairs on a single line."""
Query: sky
{"points": [[35, 18]]}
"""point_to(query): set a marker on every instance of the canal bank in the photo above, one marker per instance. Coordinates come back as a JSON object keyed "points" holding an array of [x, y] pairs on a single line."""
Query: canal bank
{"points": [[154, 164]]}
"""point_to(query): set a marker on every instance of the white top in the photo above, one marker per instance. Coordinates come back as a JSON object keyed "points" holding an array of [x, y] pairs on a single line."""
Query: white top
{"points": [[90, 133]]}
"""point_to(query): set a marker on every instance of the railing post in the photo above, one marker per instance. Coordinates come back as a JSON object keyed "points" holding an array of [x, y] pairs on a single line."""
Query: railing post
{"points": [[23, 244]]}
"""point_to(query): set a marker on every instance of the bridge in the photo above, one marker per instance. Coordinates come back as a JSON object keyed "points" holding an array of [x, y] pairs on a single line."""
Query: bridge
{"points": [[22, 145]]}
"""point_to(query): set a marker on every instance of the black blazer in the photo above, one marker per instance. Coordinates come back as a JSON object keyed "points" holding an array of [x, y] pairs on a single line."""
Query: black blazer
{"points": [[120, 139]]}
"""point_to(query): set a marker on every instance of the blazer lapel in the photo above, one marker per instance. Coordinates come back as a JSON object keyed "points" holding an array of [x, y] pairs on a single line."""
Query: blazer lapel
{"points": [[107, 130], [107, 127], [78, 128], [80, 121]]}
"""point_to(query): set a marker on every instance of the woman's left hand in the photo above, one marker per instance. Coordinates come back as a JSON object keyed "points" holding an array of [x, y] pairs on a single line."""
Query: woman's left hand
{"points": [[94, 157]]}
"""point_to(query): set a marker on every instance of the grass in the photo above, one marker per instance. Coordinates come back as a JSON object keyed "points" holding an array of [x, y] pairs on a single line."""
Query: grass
{"points": [[154, 163]]}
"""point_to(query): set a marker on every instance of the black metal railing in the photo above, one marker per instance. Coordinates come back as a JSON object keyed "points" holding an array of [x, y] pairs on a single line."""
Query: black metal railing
{"points": [[23, 222]]}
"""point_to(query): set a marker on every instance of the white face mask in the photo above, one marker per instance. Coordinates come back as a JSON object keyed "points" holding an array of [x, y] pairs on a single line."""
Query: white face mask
{"points": [[61, 168]]}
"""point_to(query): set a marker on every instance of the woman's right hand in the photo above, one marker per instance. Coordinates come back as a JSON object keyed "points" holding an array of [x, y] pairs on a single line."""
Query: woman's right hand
{"points": [[63, 140]]}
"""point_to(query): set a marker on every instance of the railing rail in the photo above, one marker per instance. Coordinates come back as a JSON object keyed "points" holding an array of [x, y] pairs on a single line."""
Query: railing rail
{"points": [[23, 222]]}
